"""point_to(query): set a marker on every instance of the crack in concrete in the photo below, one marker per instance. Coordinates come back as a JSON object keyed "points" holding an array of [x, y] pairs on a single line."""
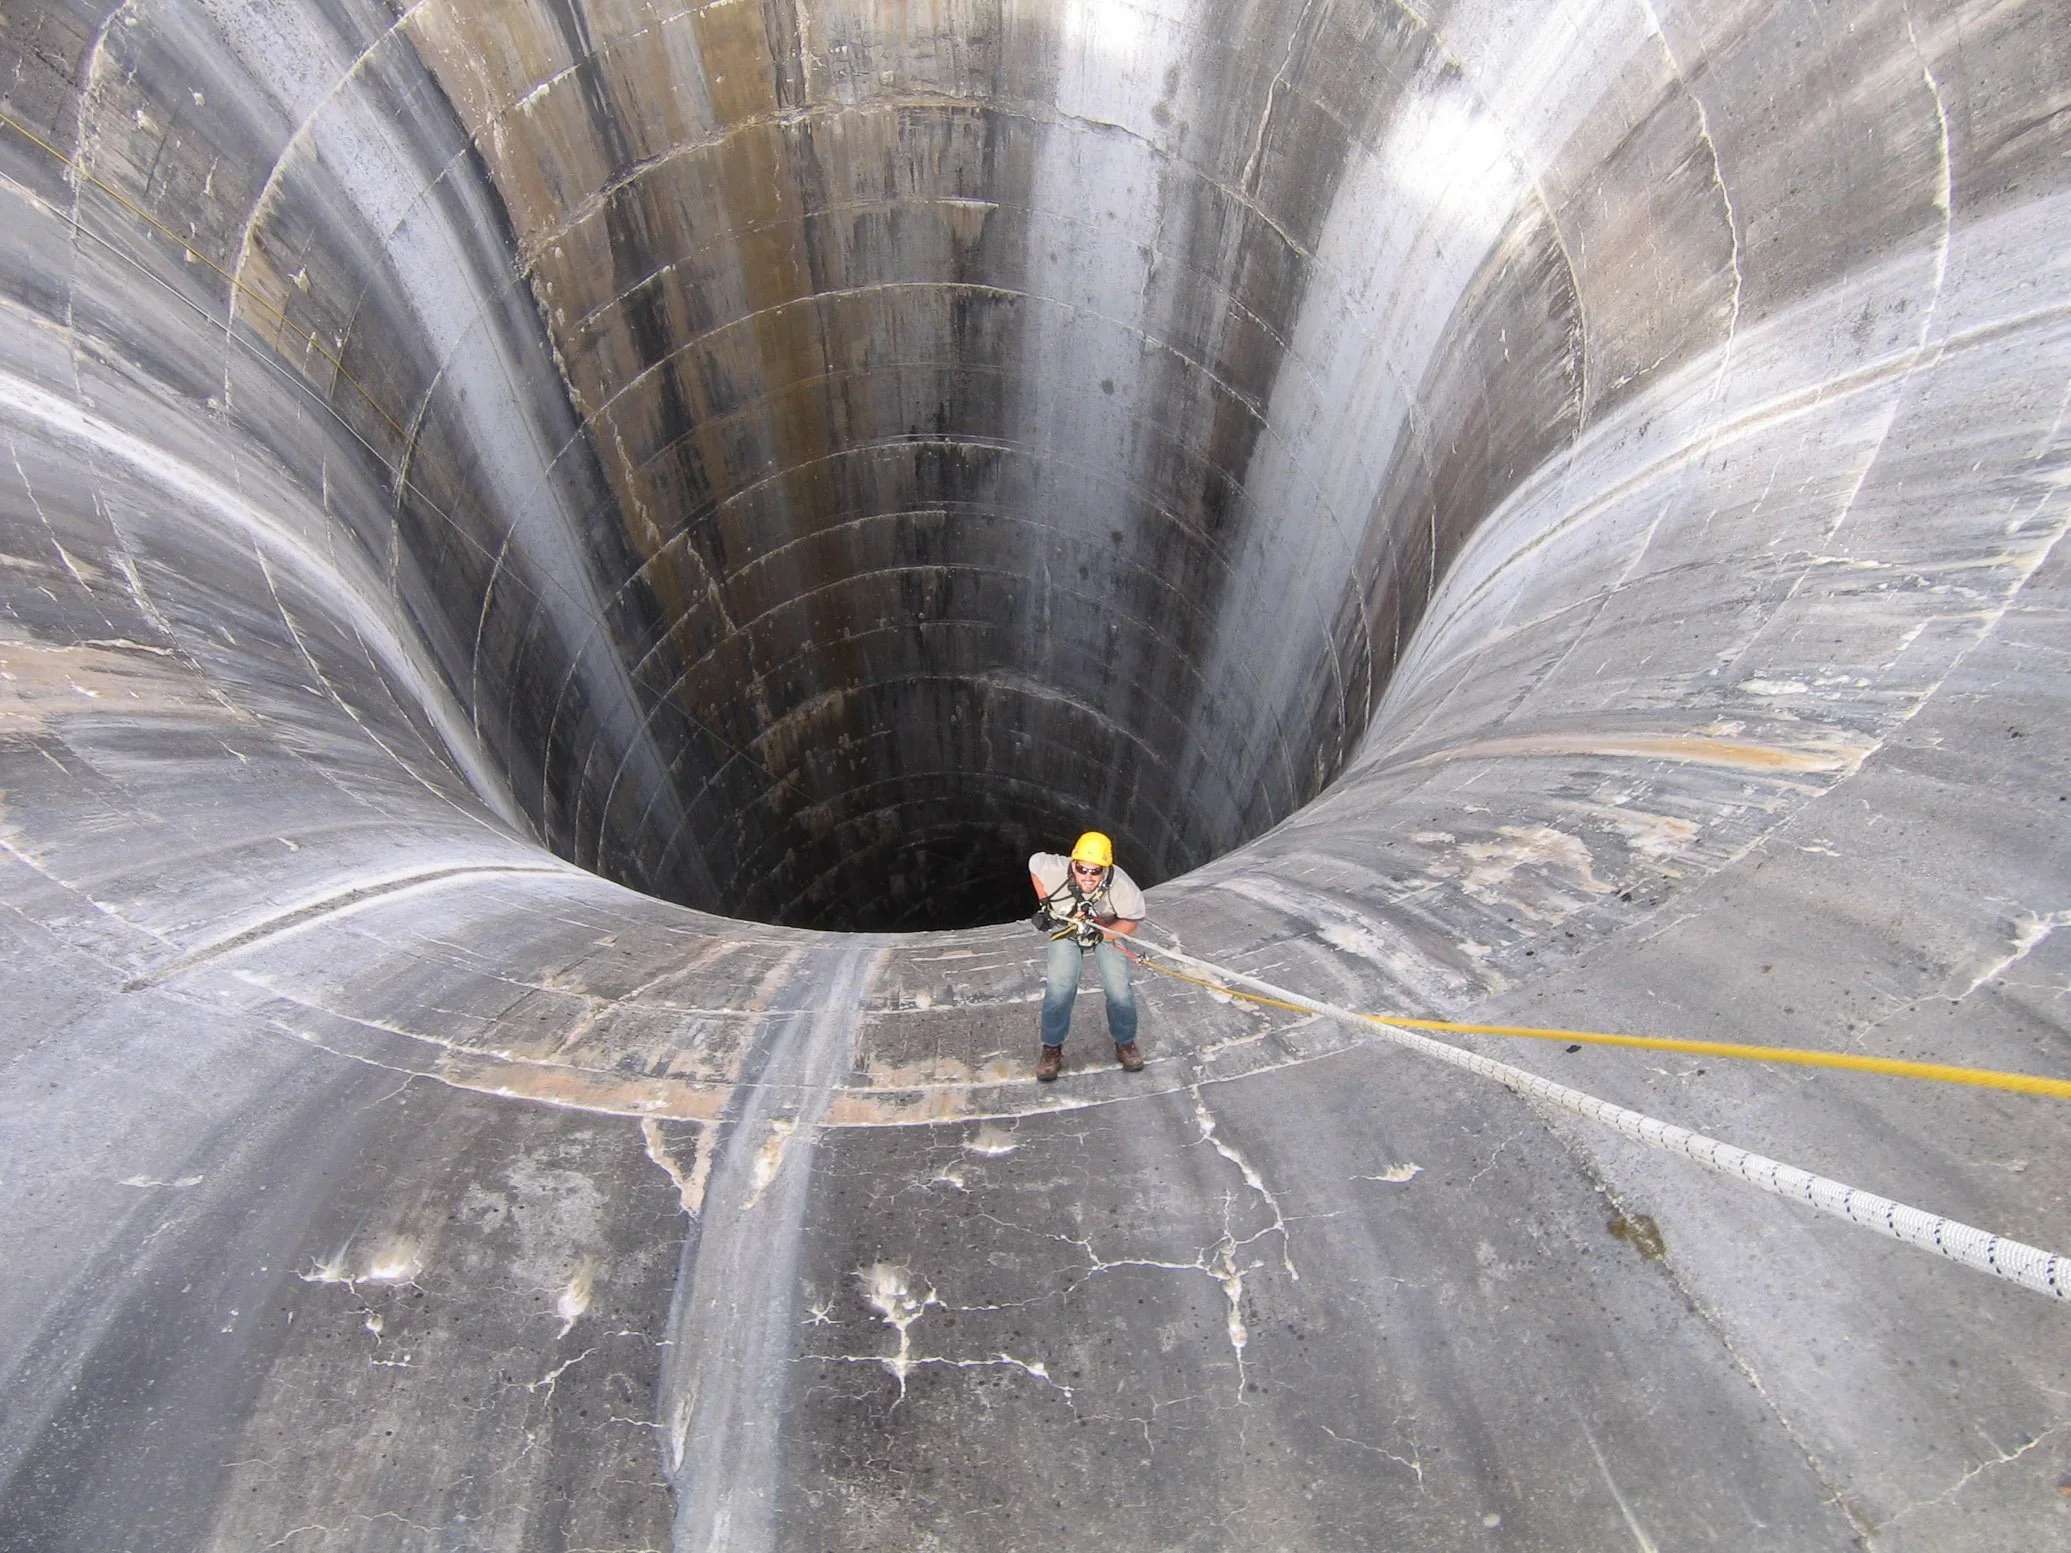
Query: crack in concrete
{"points": [[1413, 1463], [905, 1363], [552, 1378], [886, 1290], [365, 1520], [1964, 1481], [2029, 930], [1496, 1154], [1247, 178], [1252, 1179]]}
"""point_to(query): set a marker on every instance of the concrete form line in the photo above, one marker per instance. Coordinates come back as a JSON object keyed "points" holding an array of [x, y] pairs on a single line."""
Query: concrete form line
{"points": [[315, 911]]}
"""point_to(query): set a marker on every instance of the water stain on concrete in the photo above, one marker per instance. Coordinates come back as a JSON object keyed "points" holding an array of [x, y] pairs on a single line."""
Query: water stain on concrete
{"points": [[1641, 1233]]}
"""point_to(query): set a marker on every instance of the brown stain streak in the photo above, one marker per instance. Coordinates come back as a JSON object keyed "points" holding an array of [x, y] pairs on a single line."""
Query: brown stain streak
{"points": [[43, 683], [1641, 1233], [1697, 749]]}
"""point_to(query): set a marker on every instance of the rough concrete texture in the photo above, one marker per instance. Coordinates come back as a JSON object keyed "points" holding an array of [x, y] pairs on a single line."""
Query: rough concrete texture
{"points": [[520, 521]]}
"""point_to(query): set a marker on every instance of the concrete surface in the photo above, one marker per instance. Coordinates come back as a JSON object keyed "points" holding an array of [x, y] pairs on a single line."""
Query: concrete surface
{"points": [[558, 556]]}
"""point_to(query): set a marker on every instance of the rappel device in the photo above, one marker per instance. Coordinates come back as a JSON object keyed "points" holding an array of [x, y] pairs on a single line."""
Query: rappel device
{"points": [[1074, 924]]}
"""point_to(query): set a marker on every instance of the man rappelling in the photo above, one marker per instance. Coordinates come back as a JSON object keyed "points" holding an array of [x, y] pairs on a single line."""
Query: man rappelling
{"points": [[1087, 905]]}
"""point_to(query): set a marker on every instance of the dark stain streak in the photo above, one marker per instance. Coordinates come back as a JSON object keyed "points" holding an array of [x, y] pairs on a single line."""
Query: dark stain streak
{"points": [[1641, 1233]]}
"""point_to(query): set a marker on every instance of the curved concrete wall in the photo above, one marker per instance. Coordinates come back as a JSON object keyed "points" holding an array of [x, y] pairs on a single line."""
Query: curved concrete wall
{"points": [[1536, 514]]}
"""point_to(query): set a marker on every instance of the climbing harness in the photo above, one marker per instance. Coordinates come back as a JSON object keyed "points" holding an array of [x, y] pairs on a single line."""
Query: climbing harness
{"points": [[1075, 923], [2044, 1272]]}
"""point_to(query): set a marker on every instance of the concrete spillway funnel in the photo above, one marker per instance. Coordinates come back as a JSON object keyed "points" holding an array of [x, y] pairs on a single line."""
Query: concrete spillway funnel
{"points": [[560, 556]]}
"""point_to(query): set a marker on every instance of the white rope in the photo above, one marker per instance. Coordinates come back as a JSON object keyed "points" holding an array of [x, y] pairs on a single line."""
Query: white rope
{"points": [[2045, 1272]]}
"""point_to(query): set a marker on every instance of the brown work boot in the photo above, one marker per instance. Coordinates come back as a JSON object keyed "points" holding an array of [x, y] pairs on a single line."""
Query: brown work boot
{"points": [[1049, 1064], [1128, 1056]]}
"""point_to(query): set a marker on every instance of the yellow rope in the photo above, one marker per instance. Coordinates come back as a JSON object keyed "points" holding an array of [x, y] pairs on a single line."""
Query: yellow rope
{"points": [[1937, 1072], [1944, 1073]]}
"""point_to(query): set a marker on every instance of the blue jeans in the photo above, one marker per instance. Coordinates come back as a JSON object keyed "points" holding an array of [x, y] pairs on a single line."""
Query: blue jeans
{"points": [[1061, 985]]}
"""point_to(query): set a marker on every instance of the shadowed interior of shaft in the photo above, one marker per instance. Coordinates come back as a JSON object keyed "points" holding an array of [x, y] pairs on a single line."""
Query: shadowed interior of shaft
{"points": [[962, 506], [939, 470], [1545, 519]]}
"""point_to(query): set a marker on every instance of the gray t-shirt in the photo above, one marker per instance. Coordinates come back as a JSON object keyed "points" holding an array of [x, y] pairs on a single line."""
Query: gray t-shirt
{"points": [[1117, 895]]}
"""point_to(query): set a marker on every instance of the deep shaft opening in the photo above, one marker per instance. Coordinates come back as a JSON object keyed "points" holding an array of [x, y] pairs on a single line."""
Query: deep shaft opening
{"points": [[824, 478], [928, 592]]}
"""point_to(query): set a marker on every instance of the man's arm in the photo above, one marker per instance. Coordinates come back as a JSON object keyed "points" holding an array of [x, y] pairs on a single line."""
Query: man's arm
{"points": [[1125, 895], [1047, 919]]}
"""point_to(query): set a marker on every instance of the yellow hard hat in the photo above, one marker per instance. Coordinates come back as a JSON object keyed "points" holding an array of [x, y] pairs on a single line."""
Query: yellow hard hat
{"points": [[1093, 847]]}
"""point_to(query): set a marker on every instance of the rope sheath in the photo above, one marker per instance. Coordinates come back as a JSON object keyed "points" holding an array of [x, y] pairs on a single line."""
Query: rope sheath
{"points": [[1797, 1056], [2032, 1268], [2044, 1272]]}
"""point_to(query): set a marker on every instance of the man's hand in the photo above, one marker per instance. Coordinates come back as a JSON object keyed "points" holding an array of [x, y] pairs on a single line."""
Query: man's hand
{"points": [[1074, 927]]}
